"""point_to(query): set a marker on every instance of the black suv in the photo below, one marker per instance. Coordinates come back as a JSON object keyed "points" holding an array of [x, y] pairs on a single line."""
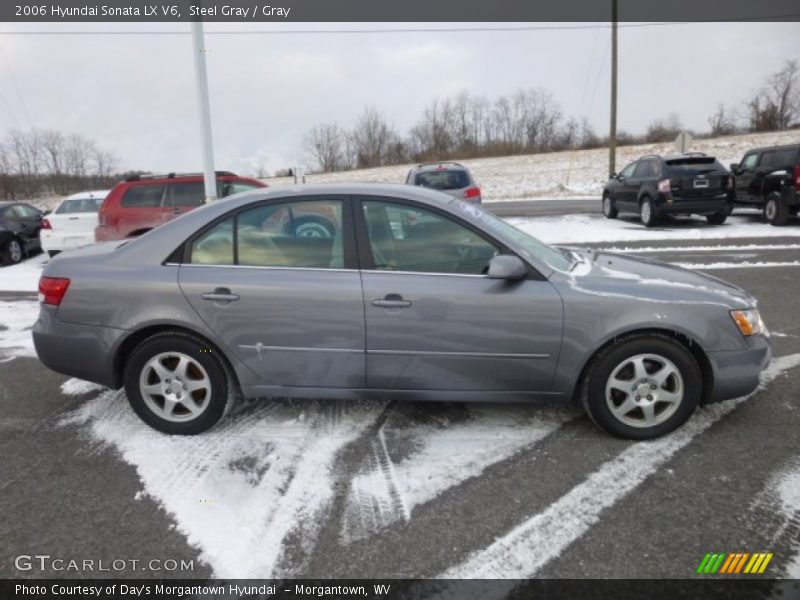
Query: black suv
{"points": [[654, 186], [769, 178]]}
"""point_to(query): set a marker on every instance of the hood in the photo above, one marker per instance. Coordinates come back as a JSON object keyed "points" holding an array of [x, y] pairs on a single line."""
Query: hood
{"points": [[610, 273]]}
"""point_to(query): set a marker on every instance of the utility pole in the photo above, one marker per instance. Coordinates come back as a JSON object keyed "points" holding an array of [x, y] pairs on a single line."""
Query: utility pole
{"points": [[201, 83], [612, 132]]}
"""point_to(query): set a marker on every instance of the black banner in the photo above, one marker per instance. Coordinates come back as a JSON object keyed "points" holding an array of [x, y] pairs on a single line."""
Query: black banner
{"points": [[281, 11], [733, 588]]}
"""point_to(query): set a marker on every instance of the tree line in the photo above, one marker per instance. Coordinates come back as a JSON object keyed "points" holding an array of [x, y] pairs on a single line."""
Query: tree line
{"points": [[526, 122], [39, 162]]}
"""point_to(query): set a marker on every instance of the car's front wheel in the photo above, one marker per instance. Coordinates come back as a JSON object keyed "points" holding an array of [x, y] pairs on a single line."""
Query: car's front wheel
{"points": [[643, 387], [178, 384], [609, 209], [12, 252]]}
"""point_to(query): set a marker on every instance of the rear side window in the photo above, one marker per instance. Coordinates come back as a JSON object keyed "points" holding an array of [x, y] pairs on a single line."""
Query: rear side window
{"points": [[143, 196], [628, 171], [445, 179], [79, 205], [215, 246], [784, 159], [187, 194]]}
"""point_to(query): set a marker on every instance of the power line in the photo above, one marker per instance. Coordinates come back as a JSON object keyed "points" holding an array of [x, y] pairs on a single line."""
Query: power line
{"points": [[784, 17]]}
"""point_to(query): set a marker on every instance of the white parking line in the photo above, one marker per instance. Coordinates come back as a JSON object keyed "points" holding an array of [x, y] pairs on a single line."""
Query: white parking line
{"points": [[737, 265], [746, 247], [523, 551]]}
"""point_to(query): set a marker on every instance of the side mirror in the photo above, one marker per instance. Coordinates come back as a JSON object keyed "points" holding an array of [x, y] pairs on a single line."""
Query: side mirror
{"points": [[734, 167], [507, 267]]}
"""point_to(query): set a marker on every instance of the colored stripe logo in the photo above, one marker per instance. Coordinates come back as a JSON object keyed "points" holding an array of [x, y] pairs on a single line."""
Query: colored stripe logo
{"points": [[734, 563]]}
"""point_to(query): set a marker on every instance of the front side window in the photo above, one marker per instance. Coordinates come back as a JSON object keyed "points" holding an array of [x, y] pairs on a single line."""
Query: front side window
{"points": [[750, 161], [143, 196], [408, 238], [628, 171]]}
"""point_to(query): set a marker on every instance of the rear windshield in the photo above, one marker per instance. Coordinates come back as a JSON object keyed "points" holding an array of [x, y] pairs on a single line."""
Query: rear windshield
{"points": [[694, 165], [79, 205], [445, 179]]}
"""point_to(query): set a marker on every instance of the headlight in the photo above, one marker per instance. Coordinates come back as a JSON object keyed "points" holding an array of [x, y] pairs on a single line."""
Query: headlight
{"points": [[748, 321]]}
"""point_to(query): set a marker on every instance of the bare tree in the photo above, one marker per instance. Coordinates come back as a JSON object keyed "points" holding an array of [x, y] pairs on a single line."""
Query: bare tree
{"points": [[325, 144], [783, 92], [722, 121], [663, 130], [371, 139]]}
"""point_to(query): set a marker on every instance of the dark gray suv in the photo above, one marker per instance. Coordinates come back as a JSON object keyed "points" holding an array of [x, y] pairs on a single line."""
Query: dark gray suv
{"points": [[415, 295]]}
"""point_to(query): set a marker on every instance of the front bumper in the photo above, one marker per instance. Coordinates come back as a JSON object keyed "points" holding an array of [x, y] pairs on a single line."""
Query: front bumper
{"points": [[83, 351], [736, 372]]}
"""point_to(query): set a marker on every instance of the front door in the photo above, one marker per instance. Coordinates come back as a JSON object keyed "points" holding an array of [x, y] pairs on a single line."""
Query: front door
{"points": [[435, 321], [627, 190], [285, 304], [745, 178]]}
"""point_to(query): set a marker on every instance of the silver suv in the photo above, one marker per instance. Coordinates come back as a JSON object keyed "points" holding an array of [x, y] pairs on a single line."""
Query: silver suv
{"points": [[452, 178]]}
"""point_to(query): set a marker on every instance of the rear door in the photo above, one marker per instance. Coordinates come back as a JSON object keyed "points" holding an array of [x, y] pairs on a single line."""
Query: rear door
{"points": [[183, 196], [141, 208], [289, 306], [435, 321], [626, 189], [745, 177]]}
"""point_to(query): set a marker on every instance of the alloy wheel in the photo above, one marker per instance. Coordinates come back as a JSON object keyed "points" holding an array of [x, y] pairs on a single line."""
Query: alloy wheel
{"points": [[15, 251], [644, 390], [175, 387]]}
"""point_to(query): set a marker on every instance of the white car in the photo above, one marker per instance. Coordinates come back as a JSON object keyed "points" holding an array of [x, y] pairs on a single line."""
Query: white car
{"points": [[72, 223]]}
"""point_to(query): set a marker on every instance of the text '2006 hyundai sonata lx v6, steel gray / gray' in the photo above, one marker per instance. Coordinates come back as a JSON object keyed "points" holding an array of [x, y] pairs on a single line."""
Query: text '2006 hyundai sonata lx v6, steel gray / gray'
{"points": [[399, 292]]}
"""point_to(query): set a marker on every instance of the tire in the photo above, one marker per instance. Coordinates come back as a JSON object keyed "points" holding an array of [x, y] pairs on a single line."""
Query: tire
{"points": [[313, 227], [775, 210], [189, 361], [717, 218], [13, 252], [616, 368], [52, 253], [647, 212], [609, 208]]}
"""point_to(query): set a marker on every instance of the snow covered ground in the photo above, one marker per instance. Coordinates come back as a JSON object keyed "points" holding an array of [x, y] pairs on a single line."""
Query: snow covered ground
{"points": [[567, 174]]}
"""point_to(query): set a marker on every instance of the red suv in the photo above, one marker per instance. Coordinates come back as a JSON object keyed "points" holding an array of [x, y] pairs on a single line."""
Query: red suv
{"points": [[143, 202]]}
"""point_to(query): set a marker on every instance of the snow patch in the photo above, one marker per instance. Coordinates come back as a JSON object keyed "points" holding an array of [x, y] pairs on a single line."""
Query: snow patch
{"points": [[23, 277], [16, 320], [78, 387]]}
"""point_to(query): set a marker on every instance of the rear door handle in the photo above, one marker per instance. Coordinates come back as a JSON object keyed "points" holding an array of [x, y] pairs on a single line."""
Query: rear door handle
{"points": [[221, 295], [391, 301]]}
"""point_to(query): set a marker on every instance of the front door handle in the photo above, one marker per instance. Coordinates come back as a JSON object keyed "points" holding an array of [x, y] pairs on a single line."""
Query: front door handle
{"points": [[221, 295], [391, 301]]}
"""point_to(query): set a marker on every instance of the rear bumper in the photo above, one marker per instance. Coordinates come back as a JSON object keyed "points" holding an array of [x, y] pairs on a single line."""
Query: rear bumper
{"points": [[83, 351], [736, 372], [710, 205], [51, 241]]}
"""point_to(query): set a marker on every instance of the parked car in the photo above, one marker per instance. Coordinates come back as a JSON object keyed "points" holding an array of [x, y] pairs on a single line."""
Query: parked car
{"points": [[72, 223], [655, 186], [20, 224], [219, 305], [453, 179], [142, 202], [769, 179]]}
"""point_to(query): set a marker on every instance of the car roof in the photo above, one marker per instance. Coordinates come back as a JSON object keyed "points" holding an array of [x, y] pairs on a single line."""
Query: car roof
{"points": [[765, 148], [441, 166], [83, 195]]}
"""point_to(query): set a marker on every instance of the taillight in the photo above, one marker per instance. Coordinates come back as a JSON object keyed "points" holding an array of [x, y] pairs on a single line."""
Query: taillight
{"points": [[46, 224], [797, 177], [664, 186], [472, 192], [52, 290]]}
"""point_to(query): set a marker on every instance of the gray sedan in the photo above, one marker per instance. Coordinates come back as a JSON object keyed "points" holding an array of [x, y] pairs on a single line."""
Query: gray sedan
{"points": [[409, 294]]}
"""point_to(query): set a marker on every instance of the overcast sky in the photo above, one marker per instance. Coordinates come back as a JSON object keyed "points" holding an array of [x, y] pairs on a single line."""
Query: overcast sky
{"points": [[135, 95]]}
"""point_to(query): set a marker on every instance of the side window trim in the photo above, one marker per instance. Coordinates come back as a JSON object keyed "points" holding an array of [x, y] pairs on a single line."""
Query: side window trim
{"points": [[367, 261]]}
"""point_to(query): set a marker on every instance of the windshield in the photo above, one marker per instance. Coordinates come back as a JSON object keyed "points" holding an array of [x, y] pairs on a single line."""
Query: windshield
{"points": [[527, 245], [444, 179]]}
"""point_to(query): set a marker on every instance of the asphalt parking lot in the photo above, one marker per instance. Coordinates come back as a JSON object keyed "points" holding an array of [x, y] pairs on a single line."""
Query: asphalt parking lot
{"points": [[333, 489]]}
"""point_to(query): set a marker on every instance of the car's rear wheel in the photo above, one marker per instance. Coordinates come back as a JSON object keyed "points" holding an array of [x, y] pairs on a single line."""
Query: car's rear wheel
{"points": [[609, 209], [647, 213], [775, 210], [12, 252], [717, 218], [643, 387], [178, 384]]}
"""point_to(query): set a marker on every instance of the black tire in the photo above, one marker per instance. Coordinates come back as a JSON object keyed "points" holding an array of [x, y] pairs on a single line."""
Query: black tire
{"points": [[609, 208], [224, 389], [607, 361], [13, 252], [647, 212], [717, 218], [775, 210], [310, 226], [52, 253]]}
